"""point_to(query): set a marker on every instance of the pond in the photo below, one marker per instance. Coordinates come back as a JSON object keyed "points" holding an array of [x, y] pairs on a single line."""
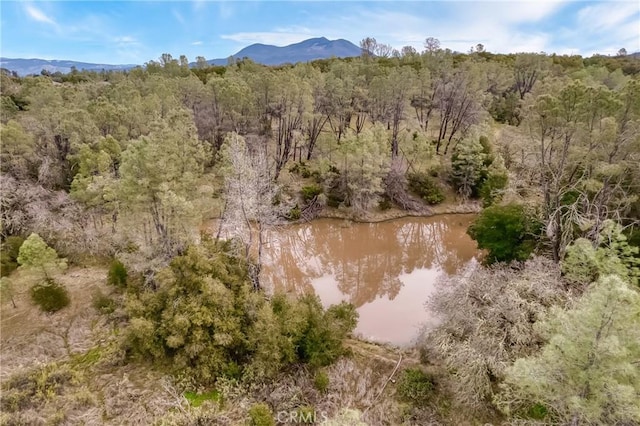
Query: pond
{"points": [[387, 270]]}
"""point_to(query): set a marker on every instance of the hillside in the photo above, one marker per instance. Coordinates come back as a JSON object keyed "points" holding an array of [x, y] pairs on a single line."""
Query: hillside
{"points": [[307, 50], [35, 66]]}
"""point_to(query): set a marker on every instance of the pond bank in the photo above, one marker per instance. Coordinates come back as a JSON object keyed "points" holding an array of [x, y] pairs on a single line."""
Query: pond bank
{"points": [[376, 216]]}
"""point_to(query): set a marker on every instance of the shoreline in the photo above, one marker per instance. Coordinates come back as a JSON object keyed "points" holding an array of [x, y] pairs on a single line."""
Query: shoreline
{"points": [[394, 213]]}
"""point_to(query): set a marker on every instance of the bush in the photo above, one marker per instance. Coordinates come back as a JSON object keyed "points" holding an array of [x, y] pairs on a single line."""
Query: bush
{"points": [[425, 187], [197, 399], [493, 183], [28, 389], [320, 342], [507, 232], [415, 386], [9, 255], [300, 169], [103, 304], [309, 192], [321, 381], [385, 204], [295, 213], [205, 320], [117, 275], [261, 415], [537, 412], [50, 297]]}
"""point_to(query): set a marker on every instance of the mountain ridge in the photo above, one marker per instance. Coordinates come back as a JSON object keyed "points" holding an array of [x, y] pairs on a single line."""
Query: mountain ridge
{"points": [[267, 54], [304, 51]]}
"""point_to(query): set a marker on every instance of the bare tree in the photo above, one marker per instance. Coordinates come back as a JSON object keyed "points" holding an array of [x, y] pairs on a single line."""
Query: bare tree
{"points": [[529, 68], [383, 50], [488, 317], [432, 45], [457, 104], [249, 193], [368, 46]]}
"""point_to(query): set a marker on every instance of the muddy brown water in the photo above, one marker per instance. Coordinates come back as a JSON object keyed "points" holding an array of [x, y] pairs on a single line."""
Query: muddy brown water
{"points": [[387, 270]]}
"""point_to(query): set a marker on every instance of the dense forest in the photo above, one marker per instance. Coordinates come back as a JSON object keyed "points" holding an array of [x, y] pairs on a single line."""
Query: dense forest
{"points": [[108, 177]]}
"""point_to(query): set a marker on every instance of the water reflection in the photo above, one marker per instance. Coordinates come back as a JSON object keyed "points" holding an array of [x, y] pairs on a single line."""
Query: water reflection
{"points": [[387, 270]]}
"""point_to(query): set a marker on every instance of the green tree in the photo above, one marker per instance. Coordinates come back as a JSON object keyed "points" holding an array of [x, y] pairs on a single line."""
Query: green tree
{"points": [[497, 179], [95, 182], [585, 263], [468, 167], [363, 162], [587, 373], [507, 232], [18, 154], [36, 256], [205, 320], [160, 179]]}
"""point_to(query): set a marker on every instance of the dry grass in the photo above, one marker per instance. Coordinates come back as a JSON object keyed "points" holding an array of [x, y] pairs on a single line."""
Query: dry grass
{"points": [[68, 368]]}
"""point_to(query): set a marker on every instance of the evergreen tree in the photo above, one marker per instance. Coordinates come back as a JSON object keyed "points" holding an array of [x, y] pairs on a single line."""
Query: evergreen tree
{"points": [[587, 373]]}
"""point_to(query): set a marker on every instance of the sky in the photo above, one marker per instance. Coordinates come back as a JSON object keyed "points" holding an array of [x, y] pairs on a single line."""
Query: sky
{"points": [[134, 32]]}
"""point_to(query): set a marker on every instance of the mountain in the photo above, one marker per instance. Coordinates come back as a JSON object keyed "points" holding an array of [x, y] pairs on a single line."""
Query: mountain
{"points": [[35, 66], [307, 50]]}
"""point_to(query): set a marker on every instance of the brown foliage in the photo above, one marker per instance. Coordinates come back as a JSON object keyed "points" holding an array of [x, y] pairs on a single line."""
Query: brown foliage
{"points": [[488, 317]]}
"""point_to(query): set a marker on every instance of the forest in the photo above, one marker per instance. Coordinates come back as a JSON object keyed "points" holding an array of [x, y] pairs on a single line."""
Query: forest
{"points": [[119, 306]]}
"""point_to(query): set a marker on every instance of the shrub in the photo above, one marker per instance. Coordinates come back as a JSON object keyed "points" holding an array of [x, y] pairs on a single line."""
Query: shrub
{"points": [[309, 192], [30, 388], [385, 203], [261, 415], [320, 342], [537, 412], [300, 169], [9, 255], [335, 198], [425, 187], [197, 399], [50, 297], [117, 275], [205, 320], [415, 386], [295, 213], [321, 381], [507, 232], [493, 183], [103, 304]]}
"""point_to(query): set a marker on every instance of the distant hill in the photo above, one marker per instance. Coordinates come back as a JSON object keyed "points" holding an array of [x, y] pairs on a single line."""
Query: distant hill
{"points": [[35, 66], [307, 50]]}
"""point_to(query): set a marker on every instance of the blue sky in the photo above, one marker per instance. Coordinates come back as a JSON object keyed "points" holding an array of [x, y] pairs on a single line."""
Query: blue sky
{"points": [[116, 32]]}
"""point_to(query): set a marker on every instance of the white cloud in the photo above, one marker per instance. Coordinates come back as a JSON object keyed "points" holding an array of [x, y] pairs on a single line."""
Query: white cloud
{"points": [[38, 15], [605, 15], [197, 43], [505, 27], [126, 40], [512, 12]]}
